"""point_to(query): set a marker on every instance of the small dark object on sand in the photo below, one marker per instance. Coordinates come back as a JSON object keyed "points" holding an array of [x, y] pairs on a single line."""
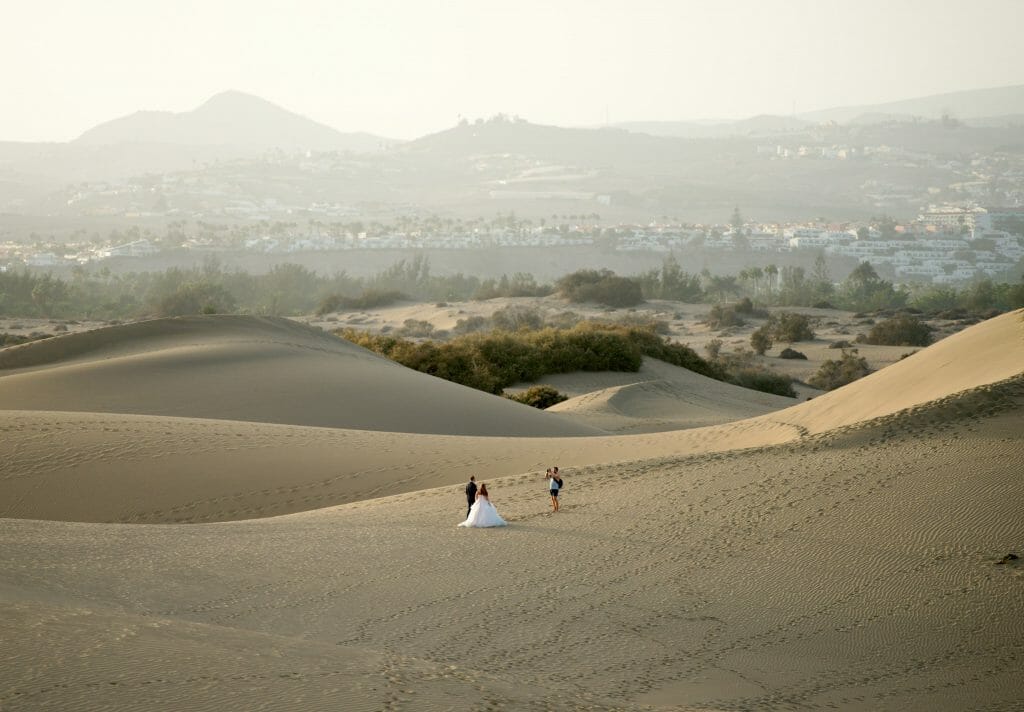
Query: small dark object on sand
{"points": [[1007, 559], [792, 353]]}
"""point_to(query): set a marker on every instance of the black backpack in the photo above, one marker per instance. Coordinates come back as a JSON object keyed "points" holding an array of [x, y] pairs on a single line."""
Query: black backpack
{"points": [[560, 485]]}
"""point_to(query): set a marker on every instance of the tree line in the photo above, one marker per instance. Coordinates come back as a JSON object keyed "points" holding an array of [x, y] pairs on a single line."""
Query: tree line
{"points": [[290, 289]]}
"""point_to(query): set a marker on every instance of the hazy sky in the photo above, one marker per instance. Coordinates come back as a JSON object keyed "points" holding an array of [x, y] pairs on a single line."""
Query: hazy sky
{"points": [[406, 68]]}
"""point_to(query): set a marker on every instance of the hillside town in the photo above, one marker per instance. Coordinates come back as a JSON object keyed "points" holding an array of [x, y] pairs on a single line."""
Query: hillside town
{"points": [[943, 245]]}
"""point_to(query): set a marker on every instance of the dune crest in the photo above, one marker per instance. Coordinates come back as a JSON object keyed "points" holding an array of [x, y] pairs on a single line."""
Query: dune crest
{"points": [[985, 353]]}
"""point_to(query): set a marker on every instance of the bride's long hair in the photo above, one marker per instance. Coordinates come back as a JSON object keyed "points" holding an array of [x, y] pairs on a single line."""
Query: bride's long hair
{"points": [[483, 490]]}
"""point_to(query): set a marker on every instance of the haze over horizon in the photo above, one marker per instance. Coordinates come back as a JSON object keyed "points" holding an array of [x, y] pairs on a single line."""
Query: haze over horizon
{"points": [[403, 72]]}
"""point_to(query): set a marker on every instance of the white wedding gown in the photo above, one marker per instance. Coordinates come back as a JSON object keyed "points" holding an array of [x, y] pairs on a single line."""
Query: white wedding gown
{"points": [[483, 514]]}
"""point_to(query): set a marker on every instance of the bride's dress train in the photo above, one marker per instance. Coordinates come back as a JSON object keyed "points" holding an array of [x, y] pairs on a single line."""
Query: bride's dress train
{"points": [[483, 514]]}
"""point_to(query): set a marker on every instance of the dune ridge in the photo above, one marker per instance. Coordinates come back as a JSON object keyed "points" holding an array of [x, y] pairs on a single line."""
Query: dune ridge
{"points": [[258, 369]]}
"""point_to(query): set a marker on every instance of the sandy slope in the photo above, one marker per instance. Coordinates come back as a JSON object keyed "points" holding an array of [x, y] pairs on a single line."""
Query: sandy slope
{"points": [[658, 397], [252, 369], [855, 572], [803, 559], [115, 467]]}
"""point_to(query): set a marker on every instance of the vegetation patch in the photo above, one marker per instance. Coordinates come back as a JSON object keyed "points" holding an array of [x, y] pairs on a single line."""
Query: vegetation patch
{"points": [[495, 360], [601, 287], [721, 317], [791, 328], [538, 397], [7, 339], [902, 330], [835, 373]]}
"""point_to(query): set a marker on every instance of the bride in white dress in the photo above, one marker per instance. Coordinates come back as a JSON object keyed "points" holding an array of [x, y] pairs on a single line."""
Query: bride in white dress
{"points": [[483, 513]]}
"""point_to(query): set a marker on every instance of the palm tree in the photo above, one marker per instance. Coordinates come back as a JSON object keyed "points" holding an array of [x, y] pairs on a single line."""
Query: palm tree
{"points": [[756, 274], [772, 271]]}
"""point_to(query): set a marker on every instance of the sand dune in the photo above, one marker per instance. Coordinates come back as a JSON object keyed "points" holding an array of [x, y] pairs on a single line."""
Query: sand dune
{"points": [[117, 467], [659, 397], [252, 369], [856, 573], [841, 554], [986, 353]]}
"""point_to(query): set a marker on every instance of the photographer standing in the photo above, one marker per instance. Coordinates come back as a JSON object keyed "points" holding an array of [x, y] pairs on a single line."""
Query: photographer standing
{"points": [[554, 486]]}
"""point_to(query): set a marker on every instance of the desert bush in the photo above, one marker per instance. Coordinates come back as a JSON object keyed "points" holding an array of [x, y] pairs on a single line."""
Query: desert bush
{"points": [[416, 328], [195, 298], [721, 317], [519, 285], [564, 320], [761, 379], [658, 326], [538, 397], [746, 307], [470, 325], [516, 317], [792, 354], [761, 340], [367, 300], [714, 349], [13, 339], [601, 287], [740, 368], [495, 360], [902, 330], [833, 374], [841, 344], [791, 328]]}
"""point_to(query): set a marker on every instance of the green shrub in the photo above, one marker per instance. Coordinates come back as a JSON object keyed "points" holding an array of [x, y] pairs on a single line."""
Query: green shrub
{"points": [[538, 397], [493, 361], [833, 374], [15, 339], [721, 317], [761, 340], [516, 317], [746, 307], [416, 328], [195, 298], [367, 300], [714, 349], [902, 330], [791, 328], [470, 325], [761, 379], [601, 287]]}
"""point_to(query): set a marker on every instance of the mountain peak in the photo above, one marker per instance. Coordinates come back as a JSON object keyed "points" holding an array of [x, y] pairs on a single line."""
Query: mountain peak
{"points": [[234, 100], [230, 118]]}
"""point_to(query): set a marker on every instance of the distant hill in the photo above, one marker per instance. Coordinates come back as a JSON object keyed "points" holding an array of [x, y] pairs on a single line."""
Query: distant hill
{"points": [[764, 125], [230, 118], [963, 105]]}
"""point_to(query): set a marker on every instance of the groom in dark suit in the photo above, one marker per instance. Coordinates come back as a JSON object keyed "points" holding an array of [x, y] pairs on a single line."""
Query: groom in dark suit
{"points": [[470, 493]]}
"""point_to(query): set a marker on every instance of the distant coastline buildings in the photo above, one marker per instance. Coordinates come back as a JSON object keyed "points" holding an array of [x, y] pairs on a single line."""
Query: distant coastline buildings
{"points": [[944, 245]]}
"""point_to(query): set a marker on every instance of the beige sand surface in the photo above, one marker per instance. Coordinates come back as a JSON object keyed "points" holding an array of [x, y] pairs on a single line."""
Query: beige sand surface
{"points": [[838, 554], [658, 397], [268, 370]]}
